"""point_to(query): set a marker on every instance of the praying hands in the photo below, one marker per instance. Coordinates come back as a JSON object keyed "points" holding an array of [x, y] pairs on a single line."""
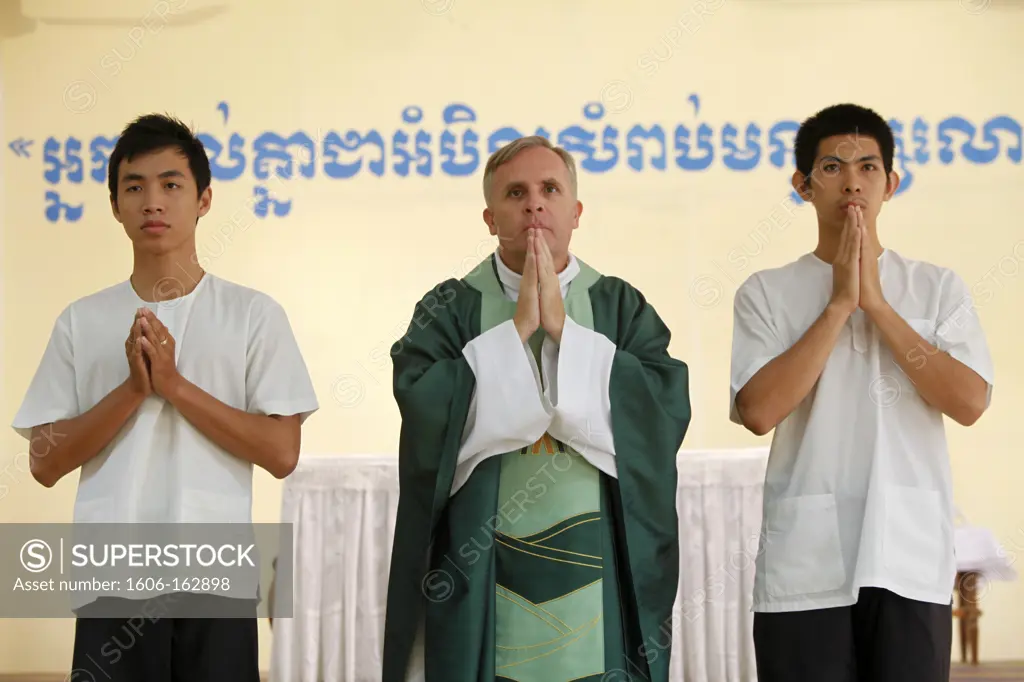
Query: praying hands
{"points": [[540, 302]]}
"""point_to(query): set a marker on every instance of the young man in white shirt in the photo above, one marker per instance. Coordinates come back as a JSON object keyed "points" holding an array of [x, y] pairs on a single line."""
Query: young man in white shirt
{"points": [[166, 389], [853, 354]]}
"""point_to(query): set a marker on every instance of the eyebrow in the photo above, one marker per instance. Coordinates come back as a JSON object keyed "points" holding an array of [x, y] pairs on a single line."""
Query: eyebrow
{"points": [[165, 174], [869, 157], [520, 183]]}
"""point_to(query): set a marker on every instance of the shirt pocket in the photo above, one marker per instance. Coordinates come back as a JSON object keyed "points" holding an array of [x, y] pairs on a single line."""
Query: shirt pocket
{"points": [[803, 553], [913, 539]]}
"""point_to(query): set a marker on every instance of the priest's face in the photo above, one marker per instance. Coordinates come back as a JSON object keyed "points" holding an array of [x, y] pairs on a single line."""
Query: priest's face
{"points": [[533, 189]]}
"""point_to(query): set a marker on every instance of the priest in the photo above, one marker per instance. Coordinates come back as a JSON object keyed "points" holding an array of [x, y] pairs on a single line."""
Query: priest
{"points": [[537, 535]]}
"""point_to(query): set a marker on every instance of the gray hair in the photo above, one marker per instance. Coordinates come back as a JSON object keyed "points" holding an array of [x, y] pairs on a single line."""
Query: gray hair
{"points": [[507, 152]]}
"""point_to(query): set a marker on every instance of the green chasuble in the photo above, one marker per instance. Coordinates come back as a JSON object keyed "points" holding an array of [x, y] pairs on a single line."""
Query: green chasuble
{"points": [[541, 568]]}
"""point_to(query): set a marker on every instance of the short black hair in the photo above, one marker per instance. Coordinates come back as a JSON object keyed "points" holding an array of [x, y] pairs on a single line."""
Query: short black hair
{"points": [[841, 119], [153, 133]]}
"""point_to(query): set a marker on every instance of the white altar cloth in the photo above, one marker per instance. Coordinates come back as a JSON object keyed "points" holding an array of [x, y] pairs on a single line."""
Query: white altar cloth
{"points": [[343, 509]]}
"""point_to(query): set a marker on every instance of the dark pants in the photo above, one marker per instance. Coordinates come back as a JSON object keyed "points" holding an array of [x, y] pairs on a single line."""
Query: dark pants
{"points": [[156, 644], [881, 638]]}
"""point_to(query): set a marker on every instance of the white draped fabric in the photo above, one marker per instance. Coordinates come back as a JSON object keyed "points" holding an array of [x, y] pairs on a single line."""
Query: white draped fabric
{"points": [[343, 509]]}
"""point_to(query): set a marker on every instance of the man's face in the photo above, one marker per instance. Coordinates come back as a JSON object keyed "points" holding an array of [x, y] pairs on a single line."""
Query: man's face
{"points": [[157, 201], [848, 169], [533, 190]]}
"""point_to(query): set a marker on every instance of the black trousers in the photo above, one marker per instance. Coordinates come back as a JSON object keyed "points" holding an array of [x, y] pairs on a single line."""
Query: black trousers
{"points": [[157, 644], [882, 638]]}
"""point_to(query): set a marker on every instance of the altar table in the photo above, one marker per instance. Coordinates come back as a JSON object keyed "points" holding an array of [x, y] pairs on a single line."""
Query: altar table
{"points": [[343, 508]]}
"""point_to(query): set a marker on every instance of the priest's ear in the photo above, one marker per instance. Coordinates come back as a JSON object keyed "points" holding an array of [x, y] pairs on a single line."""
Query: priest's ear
{"points": [[579, 212], [489, 219]]}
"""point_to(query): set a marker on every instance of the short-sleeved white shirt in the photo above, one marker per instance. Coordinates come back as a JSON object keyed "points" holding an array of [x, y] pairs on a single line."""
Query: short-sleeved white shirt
{"points": [[233, 342], [858, 490]]}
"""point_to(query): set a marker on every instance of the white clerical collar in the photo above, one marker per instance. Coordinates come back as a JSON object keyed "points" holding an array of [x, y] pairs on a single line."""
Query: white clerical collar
{"points": [[510, 279]]}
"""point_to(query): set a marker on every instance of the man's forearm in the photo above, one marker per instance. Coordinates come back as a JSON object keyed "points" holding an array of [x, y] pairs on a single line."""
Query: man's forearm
{"points": [[783, 383], [941, 380], [267, 442], [58, 449]]}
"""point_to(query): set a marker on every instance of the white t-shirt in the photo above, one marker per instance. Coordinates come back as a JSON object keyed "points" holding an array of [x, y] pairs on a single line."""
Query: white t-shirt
{"points": [[233, 342], [858, 490]]}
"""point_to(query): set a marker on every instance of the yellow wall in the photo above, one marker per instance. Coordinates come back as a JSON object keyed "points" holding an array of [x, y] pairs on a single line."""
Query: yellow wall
{"points": [[353, 255]]}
